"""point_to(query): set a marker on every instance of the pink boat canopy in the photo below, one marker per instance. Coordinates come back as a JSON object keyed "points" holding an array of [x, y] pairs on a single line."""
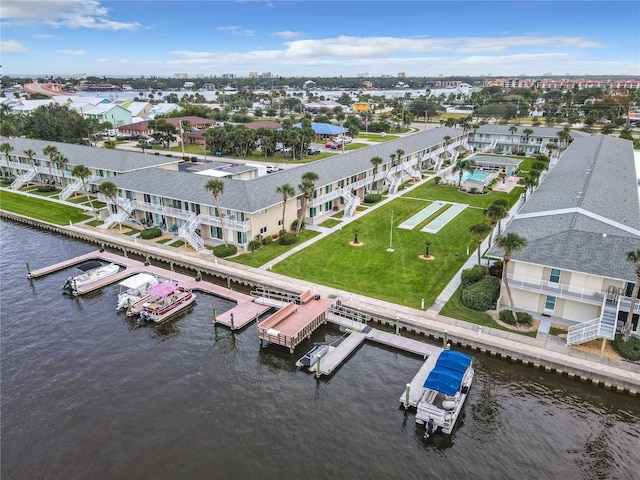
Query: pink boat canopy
{"points": [[163, 289]]}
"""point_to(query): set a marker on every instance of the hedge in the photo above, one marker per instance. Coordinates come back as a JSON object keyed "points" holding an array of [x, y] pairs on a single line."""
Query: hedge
{"points": [[471, 275], [372, 198], [287, 239], [222, 251], [149, 233], [481, 295], [507, 317], [630, 349]]}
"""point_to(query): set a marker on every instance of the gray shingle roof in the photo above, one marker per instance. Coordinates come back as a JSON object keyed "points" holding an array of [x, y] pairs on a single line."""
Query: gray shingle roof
{"points": [[537, 131], [119, 161], [260, 193], [596, 180]]}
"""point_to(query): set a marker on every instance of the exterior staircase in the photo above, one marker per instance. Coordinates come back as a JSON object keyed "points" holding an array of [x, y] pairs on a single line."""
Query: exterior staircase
{"points": [[491, 146], [602, 327], [122, 214], [352, 202], [394, 181], [22, 179], [74, 186], [414, 173], [188, 232]]}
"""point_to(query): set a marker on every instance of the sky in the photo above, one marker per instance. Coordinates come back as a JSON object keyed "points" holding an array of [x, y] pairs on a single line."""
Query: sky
{"points": [[319, 38]]}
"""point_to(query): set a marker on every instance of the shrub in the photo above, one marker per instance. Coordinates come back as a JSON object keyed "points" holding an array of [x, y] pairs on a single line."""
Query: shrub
{"points": [[473, 190], [149, 233], [524, 318], [437, 180], [629, 350], [169, 155], [46, 188], [267, 240], [372, 198], [482, 294], [287, 239], [258, 238], [222, 251], [507, 317], [471, 275], [254, 245], [294, 225]]}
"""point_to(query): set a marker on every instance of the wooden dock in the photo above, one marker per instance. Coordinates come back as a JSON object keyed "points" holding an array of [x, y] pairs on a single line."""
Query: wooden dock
{"points": [[243, 313], [334, 358], [417, 384], [402, 343]]}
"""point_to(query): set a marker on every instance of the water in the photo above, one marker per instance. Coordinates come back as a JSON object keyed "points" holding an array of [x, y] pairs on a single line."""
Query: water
{"points": [[478, 176], [87, 393]]}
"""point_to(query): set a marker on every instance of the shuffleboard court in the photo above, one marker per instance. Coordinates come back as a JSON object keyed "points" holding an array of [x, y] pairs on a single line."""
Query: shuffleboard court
{"points": [[436, 225], [421, 216]]}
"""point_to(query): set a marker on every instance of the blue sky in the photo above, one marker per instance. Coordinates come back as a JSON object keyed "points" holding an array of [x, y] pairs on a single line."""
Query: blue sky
{"points": [[323, 38]]}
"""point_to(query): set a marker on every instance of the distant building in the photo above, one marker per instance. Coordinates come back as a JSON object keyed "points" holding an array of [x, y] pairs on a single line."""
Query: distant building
{"points": [[180, 75]]}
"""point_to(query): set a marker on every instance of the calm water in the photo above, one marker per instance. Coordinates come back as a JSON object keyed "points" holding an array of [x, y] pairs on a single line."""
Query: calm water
{"points": [[87, 393]]}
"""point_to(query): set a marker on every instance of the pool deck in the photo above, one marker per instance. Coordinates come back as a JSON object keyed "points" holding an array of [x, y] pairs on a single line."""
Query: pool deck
{"points": [[509, 184]]}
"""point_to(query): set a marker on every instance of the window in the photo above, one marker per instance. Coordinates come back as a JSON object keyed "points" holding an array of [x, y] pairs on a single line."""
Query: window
{"points": [[554, 276], [550, 304], [264, 230], [216, 232], [147, 198]]}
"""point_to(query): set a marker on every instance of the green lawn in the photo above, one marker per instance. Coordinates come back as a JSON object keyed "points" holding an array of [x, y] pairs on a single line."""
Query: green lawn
{"points": [[449, 193], [401, 276], [330, 223], [269, 252], [41, 209], [376, 137]]}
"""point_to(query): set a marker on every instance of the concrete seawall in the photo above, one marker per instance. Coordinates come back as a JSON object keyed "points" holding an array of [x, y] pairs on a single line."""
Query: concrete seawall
{"points": [[547, 354]]}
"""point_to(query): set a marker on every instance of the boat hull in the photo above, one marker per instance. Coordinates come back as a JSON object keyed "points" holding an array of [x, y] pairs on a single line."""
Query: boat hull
{"points": [[163, 313]]}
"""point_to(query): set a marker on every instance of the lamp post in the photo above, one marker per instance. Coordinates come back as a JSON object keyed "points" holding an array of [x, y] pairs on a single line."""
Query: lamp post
{"points": [[182, 138]]}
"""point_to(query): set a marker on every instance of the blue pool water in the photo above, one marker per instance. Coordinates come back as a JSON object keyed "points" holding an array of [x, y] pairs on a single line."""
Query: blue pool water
{"points": [[477, 176]]}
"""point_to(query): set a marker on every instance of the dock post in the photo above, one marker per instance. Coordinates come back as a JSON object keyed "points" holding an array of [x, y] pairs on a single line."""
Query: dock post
{"points": [[146, 260], [171, 265], [422, 305], [407, 391], [229, 283], [215, 261], [125, 252], [231, 321], [397, 325], [444, 340], [318, 365], [449, 346], [215, 315], [28, 271], [198, 275], [101, 247]]}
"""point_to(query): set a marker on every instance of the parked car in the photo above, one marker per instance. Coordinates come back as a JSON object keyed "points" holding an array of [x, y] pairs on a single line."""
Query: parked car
{"points": [[272, 168], [346, 140], [313, 151]]}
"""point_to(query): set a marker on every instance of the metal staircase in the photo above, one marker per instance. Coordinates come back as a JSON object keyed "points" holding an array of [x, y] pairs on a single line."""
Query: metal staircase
{"points": [[22, 179], [602, 327], [491, 146], [122, 214], [188, 232], [74, 186], [394, 181], [352, 202], [414, 173]]}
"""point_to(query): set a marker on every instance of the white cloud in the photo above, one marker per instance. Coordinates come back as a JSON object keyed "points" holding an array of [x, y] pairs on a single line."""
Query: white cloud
{"points": [[236, 30], [286, 34], [43, 36], [62, 13], [71, 52], [11, 46]]}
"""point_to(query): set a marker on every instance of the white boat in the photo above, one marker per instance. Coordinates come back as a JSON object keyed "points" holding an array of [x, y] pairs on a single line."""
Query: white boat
{"points": [[134, 290], [310, 359], [445, 390], [91, 272], [165, 300]]}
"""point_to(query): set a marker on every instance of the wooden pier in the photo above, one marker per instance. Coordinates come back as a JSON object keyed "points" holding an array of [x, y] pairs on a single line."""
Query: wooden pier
{"points": [[334, 358], [417, 384], [243, 313]]}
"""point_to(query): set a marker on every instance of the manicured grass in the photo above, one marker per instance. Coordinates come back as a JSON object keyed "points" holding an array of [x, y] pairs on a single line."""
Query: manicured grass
{"points": [[177, 244], [450, 193], [162, 241], [330, 223], [455, 309], [41, 209], [376, 137], [557, 331], [402, 276], [269, 252], [44, 194]]}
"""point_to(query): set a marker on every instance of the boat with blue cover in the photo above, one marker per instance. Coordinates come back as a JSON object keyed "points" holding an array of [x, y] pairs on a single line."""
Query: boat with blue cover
{"points": [[445, 390]]}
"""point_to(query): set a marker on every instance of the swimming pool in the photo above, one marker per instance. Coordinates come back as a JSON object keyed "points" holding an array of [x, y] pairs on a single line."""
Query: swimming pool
{"points": [[479, 177]]}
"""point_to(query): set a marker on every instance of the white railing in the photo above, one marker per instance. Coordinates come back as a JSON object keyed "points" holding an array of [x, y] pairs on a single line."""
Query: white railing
{"points": [[558, 289], [228, 223], [602, 327], [394, 181], [625, 303], [352, 202], [74, 186], [187, 231], [22, 179]]}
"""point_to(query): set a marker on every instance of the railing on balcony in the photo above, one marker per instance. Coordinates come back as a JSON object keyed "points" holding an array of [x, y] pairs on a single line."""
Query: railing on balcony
{"points": [[556, 289], [602, 327], [625, 304]]}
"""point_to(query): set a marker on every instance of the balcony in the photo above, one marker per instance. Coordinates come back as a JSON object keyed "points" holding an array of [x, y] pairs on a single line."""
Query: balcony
{"points": [[556, 289]]}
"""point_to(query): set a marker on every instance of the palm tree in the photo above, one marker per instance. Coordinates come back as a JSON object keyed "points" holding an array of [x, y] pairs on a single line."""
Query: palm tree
{"points": [[564, 136], [375, 161], [633, 257], [463, 165], [61, 161], [286, 191], [529, 182], [82, 172], [480, 230], [400, 154], [7, 148], [495, 214], [306, 187], [513, 129], [142, 144], [510, 242], [50, 151], [109, 190], [527, 133], [216, 187], [30, 154]]}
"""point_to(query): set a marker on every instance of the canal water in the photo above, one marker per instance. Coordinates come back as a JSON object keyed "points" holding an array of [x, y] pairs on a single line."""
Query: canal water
{"points": [[89, 393]]}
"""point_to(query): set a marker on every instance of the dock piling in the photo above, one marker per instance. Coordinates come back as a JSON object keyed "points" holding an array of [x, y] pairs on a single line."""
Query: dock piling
{"points": [[198, 275], [397, 325], [171, 265], [444, 340], [407, 392], [215, 315], [231, 321], [229, 283], [101, 247], [28, 271], [146, 260], [318, 365], [125, 253]]}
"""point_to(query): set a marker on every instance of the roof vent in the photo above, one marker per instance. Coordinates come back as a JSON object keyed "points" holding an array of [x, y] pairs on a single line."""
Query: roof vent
{"points": [[604, 235]]}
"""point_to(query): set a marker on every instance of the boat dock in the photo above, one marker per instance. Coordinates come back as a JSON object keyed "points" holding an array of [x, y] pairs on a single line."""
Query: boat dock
{"points": [[243, 313], [417, 384], [334, 358]]}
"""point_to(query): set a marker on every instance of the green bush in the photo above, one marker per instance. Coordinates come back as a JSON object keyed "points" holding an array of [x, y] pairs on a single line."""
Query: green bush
{"points": [[222, 251], [149, 233], [524, 318], [288, 239], [471, 275], [372, 198], [482, 294], [629, 350], [267, 240], [507, 317], [254, 245], [437, 180], [46, 188], [294, 225]]}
